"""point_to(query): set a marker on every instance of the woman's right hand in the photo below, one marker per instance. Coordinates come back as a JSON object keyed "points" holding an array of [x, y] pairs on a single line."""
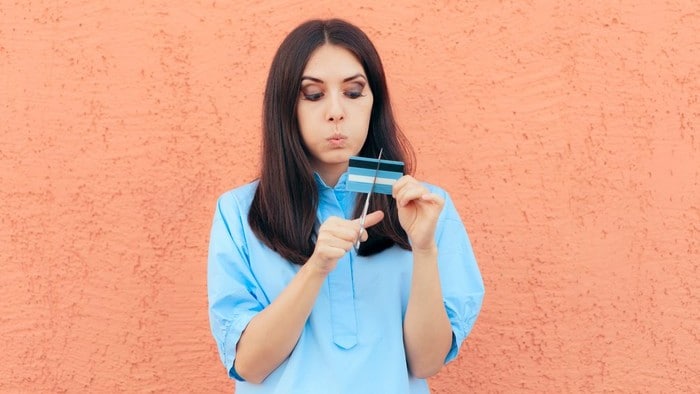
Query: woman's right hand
{"points": [[336, 237]]}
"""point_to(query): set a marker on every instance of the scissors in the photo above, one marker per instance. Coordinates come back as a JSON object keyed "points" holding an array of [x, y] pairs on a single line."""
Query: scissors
{"points": [[364, 209]]}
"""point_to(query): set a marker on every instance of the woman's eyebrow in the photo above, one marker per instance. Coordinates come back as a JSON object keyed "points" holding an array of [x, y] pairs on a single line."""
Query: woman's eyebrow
{"points": [[354, 77], [311, 79], [306, 77]]}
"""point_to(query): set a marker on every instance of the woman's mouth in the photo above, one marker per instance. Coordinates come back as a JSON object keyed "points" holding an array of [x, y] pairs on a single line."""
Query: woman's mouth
{"points": [[337, 140]]}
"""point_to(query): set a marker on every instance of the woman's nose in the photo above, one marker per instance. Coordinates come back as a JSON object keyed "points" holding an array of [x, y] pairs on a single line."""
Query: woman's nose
{"points": [[335, 108]]}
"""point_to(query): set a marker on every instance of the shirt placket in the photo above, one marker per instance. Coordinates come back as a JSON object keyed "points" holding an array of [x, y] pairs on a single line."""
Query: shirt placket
{"points": [[340, 285]]}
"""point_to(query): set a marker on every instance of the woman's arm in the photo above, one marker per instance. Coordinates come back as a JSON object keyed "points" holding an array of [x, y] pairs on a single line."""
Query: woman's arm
{"points": [[272, 334], [426, 327]]}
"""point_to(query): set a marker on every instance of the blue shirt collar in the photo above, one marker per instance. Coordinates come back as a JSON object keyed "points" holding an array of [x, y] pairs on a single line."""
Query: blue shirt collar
{"points": [[340, 186]]}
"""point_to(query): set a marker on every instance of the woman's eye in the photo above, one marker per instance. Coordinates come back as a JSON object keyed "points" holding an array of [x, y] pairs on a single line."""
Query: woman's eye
{"points": [[355, 90], [353, 94], [312, 96]]}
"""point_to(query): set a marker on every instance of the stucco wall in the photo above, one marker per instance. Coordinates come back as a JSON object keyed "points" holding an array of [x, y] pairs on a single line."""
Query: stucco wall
{"points": [[566, 132]]}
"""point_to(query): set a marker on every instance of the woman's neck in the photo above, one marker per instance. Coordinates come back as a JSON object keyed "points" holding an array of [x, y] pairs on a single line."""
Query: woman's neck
{"points": [[331, 175]]}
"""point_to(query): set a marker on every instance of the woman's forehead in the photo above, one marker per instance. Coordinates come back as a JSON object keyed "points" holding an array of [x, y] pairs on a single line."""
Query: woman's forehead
{"points": [[332, 62]]}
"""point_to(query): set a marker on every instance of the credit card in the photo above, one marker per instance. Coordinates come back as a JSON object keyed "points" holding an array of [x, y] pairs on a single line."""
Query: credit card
{"points": [[362, 170]]}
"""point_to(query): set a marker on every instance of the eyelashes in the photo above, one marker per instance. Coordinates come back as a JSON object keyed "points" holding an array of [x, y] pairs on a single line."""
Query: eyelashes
{"points": [[353, 93], [318, 96], [312, 97]]}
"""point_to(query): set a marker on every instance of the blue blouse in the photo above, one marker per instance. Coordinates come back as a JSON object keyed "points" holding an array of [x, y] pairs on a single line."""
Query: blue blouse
{"points": [[353, 339]]}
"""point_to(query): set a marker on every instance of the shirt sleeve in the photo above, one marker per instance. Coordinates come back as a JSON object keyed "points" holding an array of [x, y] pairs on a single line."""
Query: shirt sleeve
{"points": [[460, 279], [232, 289]]}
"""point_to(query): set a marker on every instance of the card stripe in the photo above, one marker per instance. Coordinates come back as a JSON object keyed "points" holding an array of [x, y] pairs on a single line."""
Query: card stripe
{"points": [[384, 165], [370, 173], [362, 187], [369, 179]]}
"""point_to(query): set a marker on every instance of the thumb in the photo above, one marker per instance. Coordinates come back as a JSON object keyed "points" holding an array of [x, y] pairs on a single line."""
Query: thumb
{"points": [[372, 218]]}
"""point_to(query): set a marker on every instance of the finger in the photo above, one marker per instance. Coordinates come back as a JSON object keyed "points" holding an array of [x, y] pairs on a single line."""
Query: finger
{"points": [[409, 193], [329, 252], [400, 184], [433, 198], [340, 239], [363, 236], [332, 221], [371, 219], [340, 228], [332, 243], [404, 185], [336, 242], [347, 232]]}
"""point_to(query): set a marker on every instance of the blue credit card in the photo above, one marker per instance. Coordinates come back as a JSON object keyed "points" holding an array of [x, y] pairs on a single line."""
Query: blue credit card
{"points": [[361, 174]]}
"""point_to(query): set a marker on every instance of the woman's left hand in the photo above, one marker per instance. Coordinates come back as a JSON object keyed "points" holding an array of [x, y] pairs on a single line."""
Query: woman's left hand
{"points": [[419, 210]]}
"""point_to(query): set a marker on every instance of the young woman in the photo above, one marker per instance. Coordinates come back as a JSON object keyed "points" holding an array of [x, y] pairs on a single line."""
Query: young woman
{"points": [[294, 307]]}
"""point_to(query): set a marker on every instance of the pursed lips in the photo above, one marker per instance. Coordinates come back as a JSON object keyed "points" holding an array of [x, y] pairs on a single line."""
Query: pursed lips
{"points": [[337, 139]]}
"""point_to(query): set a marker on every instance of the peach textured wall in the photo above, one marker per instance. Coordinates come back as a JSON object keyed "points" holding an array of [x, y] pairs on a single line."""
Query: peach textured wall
{"points": [[566, 133]]}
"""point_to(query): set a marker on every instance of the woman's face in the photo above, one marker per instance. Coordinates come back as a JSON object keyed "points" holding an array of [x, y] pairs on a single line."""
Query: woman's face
{"points": [[334, 108]]}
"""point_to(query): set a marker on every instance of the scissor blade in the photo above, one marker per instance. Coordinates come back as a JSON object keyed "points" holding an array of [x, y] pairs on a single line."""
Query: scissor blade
{"points": [[376, 172], [366, 207]]}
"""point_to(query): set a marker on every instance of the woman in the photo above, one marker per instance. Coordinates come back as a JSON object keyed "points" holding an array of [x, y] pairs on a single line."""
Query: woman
{"points": [[294, 308]]}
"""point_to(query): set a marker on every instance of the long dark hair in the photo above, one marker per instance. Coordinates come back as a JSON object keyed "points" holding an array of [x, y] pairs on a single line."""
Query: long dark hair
{"points": [[283, 211]]}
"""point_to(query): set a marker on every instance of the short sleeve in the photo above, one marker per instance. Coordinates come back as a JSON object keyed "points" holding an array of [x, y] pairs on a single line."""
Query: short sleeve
{"points": [[460, 279], [232, 288]]}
